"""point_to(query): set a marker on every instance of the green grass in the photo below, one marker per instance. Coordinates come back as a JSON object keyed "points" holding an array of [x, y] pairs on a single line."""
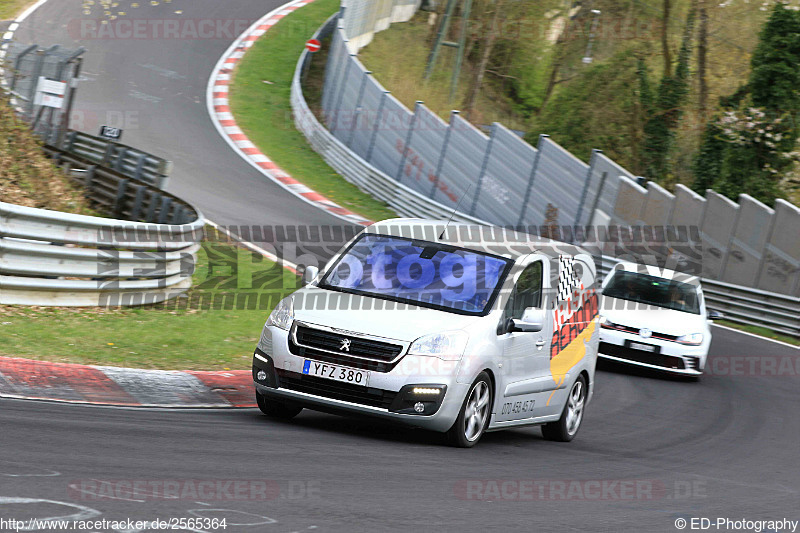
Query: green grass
{"points": [[184, 334], [9, 9], [263, 110], [758, 330]]}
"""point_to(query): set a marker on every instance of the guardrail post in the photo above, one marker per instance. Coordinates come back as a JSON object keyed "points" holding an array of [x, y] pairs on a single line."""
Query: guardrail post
{"points": [[70, 141], [378, 119], [139, 166], [155, 198], [119, 202], [357, 113], [406, 148], [586, 185], [440, 164], [108, 153], [121, 153], [137, 202], [89, 178], [484, 167], [177, 214], [165, 204], [528, 190]]}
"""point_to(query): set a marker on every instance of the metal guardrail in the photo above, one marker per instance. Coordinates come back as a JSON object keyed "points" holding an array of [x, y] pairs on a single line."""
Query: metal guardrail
{"points": [[122, 196], [122, 158], [53, 258], [743, 305], [356, 170]]}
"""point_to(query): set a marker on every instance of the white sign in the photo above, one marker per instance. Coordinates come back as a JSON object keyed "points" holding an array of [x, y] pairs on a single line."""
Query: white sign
{"points": [[49, 100], [51, 86]]}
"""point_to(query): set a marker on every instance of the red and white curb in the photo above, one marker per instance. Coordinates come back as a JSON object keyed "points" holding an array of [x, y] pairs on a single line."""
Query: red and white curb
{"points": [[220, 112], [130, 387]]}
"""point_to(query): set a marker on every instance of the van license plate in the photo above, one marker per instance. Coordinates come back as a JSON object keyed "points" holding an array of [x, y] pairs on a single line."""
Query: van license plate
{"points": [[335, 372]]}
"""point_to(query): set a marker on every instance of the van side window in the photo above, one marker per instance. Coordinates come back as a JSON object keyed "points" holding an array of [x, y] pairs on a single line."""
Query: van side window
{"points": [[527, 292]]}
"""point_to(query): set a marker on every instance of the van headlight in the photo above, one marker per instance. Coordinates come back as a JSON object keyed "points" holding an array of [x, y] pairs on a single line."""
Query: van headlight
{"points": [[448, 345], [283, 314], [694, 339]]}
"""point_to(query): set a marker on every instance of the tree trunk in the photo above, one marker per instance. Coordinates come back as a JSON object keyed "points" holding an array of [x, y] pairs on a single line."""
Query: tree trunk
{"points": [[702, 51], [558, 60], [665, 40], [480, 70]]}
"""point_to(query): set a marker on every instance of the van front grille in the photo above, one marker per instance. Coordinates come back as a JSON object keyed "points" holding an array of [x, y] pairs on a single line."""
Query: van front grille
{"points": [[350, 345]]}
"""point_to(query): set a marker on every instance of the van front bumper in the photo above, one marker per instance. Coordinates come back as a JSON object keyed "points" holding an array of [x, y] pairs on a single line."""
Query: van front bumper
{"points": [[389, 396]]}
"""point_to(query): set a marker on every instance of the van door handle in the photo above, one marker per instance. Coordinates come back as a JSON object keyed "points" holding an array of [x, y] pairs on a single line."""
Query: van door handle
{"points": [[540, 343]]}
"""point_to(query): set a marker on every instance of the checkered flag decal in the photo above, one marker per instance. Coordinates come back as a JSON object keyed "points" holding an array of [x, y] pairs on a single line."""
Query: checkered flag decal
{"points": [[567, 281]]}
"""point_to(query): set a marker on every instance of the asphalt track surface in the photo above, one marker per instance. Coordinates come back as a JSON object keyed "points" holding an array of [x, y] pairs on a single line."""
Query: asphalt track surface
{"points": [[725, 446]]}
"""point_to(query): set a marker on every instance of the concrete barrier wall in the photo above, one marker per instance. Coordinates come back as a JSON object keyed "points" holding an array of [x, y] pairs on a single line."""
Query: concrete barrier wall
{"points": [[747, 244], [716, 230], [780, 268]]}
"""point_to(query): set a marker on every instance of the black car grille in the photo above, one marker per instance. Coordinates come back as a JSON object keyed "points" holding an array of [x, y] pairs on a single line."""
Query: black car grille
{"points": [[630, 354], [333, 389], [336, 359], [358, 346]]}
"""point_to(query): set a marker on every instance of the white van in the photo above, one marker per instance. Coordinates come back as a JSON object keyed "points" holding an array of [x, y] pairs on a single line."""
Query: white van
{"points": [[450, 327]]}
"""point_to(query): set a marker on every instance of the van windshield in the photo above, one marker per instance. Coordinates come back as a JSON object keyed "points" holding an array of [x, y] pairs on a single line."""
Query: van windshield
{"points": [[417, 272]]}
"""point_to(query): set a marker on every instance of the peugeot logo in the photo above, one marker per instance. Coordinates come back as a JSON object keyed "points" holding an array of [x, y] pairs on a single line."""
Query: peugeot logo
{"points": [[645, 333], [345, 345]]}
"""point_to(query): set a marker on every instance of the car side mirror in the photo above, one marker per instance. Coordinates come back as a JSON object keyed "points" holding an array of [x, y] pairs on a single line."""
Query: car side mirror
{"points": [[714, 315], [532, 321], [309, 274]]}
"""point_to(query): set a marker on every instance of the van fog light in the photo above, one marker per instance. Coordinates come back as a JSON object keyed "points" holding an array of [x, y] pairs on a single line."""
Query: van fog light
{"points": [[261, 375], [425, 390], [419, 407]]}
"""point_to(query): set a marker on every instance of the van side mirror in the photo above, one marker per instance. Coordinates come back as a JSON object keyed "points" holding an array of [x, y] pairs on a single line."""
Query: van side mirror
{"points": [[714, 315], [309, 274], [532, 321]]}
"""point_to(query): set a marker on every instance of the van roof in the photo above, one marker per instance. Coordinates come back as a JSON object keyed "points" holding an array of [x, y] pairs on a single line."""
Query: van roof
{"points": [[484, 238]]}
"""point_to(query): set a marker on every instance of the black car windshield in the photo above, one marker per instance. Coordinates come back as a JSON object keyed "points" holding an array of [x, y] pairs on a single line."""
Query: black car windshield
{"points": [[421, 273], [652, 290]]}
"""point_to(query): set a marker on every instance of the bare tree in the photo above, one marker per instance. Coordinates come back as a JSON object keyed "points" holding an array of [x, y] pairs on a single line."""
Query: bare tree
{"points": [[702, 51], [665, 39], [558, 60], [480, 71]]}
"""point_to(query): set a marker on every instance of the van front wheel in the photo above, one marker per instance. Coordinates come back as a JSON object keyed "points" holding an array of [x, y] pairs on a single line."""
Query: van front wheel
{"points": [[474, 415], [276, 409], [566, 427]]}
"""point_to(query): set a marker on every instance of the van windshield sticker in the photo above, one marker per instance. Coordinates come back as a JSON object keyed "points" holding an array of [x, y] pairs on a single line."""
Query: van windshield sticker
{"points": [[417, 272]]}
